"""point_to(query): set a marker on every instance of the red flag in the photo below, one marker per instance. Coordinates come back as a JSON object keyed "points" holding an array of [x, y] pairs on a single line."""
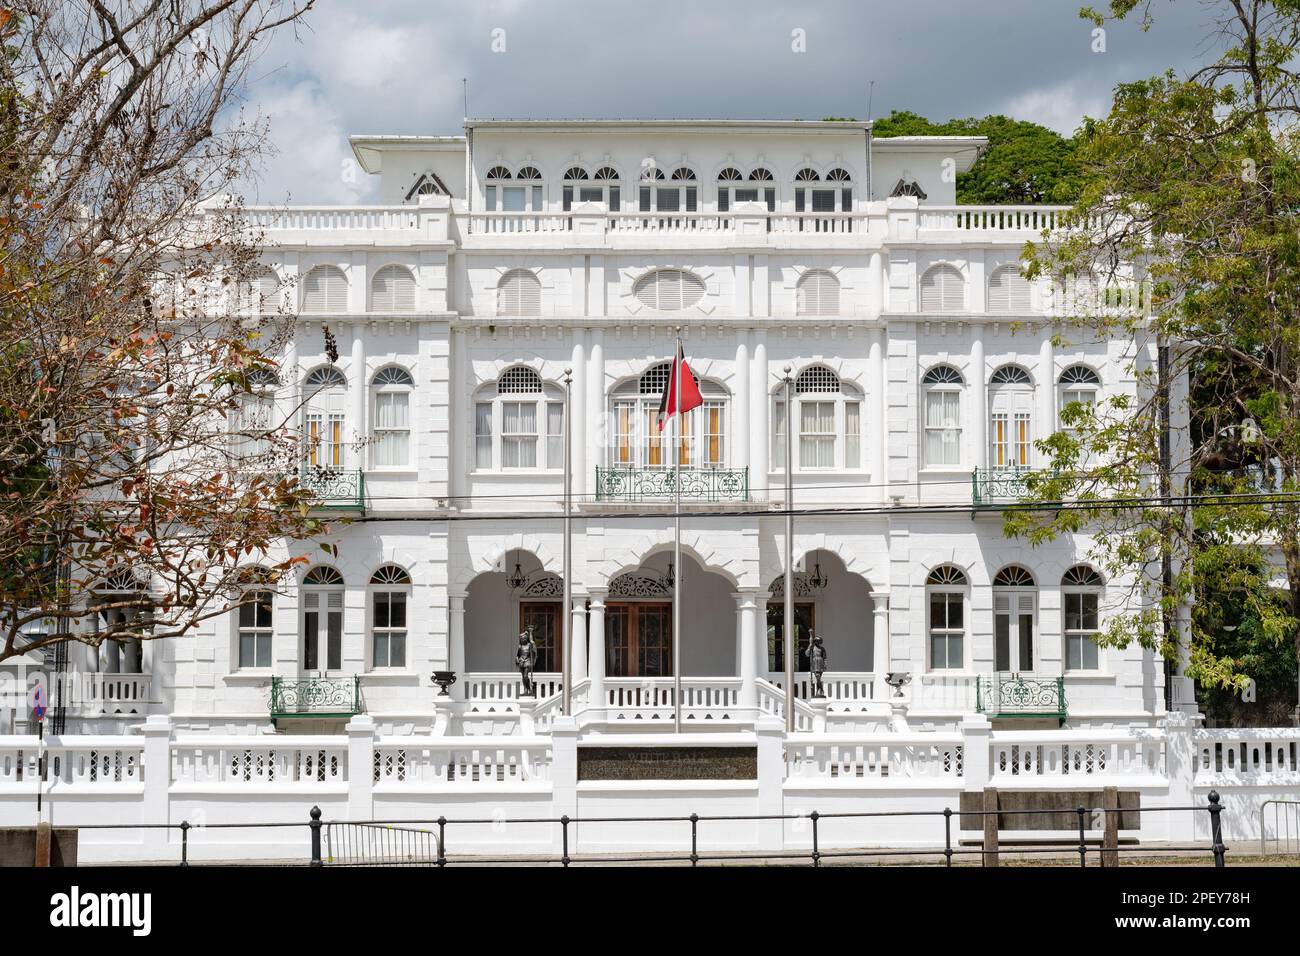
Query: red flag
{"points": [[691, 398]]}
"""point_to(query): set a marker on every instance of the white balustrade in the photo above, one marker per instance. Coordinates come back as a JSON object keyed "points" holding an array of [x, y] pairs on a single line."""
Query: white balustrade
{"points": [[506, 686], [516, 223], [840, 687], [103, 693], [671, 223], [1030, 219], [1077, 753], [651, 698], [1247, 752], [845, 759], [820, 223], [333, 218], [98, 761], [203, 762], [771, 701], [461, 761]]}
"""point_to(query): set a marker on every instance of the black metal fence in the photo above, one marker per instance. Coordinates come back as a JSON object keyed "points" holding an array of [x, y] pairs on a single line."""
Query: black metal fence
{"points": [[426, 842]]}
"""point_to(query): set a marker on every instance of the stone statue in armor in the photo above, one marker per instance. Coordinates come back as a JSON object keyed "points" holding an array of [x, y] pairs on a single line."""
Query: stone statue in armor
{"points": [[817, 661], [526, 660]]}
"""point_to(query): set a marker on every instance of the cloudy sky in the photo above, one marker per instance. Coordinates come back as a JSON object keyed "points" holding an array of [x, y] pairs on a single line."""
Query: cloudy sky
{"points": [[395, 66]]}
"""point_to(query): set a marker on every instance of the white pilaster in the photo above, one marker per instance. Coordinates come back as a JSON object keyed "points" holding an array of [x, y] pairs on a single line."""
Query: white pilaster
{"points": [[578, 416], [1046, 386], [879, 644], [579, 612], [877, 425], [596, 653], [739, 454], [977, 388], [747, 615], [594, 412], [456, 643], [357, 392], [758, 415]]}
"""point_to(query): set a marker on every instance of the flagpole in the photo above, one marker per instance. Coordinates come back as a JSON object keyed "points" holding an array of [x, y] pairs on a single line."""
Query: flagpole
{"points": [[679, 571], [566, 612]]}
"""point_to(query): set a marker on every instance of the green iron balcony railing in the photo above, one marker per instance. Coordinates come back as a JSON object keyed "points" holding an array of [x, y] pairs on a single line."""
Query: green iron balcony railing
{"points": [[658, 484], [315, 697], [1003, 695], [335, 488], [991, 487]]}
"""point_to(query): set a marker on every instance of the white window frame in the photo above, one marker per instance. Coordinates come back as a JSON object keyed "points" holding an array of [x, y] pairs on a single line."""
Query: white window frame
{"points": [[327, 448], [544, 447], [1018, 439], [403, 389], [1083, 636], [1017, 598], [533, 188], [374, 589], [1064, 389], [844, 396], [632, 449], [960, 591], [257, 632], [322, 594]]}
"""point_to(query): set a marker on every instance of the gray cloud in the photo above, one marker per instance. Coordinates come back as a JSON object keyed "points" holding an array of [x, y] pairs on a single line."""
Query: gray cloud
{"points": [[395, 66]]}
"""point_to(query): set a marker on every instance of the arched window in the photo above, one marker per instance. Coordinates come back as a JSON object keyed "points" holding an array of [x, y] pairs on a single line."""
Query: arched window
{"points": [[259, 294], [1078, 385], [1009, 291], [255, 627], [325, 289], [575, 174], [427, 188], [844, 182], [658, 193], [390, 592], [256, 417], [637, 442], [829, 416], [1081, 589], [519, 292], [761, 187], [391, 430], [817, 293], [1011, 416], [521, 193], [324, 418], [943, 289], [942, 388], [392, 290], [322, 622], [518, 423], [669, 290], [119, 653], [1015, 612], [579, 187], [946, 590]]}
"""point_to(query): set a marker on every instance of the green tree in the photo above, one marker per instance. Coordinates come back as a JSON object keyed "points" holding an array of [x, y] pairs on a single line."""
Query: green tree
{"points": [[1184, 239], [1024, 163]]}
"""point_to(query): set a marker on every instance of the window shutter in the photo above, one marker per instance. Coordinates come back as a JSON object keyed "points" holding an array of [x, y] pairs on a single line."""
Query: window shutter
{"points": [[818, 293], [1008, 291], [519, 293], [669, 290], [393, 290], [943, 290], [325, 290], [1001, 604]]}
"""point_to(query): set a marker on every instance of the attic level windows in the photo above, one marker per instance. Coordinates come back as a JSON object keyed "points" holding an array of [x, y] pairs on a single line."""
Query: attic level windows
{"points": [[658, 194], [600, 187], [733, 188], [812, 194], [524, 194]]}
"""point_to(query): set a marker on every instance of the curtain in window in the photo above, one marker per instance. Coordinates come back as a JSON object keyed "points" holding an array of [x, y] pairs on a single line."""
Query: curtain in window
{"points": [[483, 435], [392, 429], [778, 435], [852, 435], [519, 435], [817, 434], [942, 431], [555, 435]]}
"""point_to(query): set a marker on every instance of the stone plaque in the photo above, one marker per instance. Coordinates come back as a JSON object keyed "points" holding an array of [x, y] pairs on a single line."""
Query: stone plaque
{"points": [[667, 763], [1054, 809]]}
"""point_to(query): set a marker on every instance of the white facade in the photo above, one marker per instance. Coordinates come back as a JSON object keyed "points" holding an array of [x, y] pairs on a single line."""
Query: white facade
{"points": [[923, 370]]}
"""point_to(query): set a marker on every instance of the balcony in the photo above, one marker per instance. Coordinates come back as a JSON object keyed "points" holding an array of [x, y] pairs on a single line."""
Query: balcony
{"points": [[315, 697], [1004, 695], [658, 484], [335, 489]]}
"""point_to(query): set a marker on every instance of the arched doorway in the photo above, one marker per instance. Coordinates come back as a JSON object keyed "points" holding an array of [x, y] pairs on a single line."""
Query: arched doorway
{"points": [[499, 605]]}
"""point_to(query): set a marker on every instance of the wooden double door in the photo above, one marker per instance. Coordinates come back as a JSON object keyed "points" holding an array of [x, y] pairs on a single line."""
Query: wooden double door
{"points": [[639, 639]]}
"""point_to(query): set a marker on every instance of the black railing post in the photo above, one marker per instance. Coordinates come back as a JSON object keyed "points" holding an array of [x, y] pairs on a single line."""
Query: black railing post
{"points": [[816, 853], [185, 843], [1216, 829], [442, 841], [1083, 846], [564, 839], [695, 838], [315, 837], [947, 836]]}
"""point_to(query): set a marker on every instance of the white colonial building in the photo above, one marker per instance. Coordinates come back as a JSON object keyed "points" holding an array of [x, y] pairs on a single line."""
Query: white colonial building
{"points": [[524, 258]]}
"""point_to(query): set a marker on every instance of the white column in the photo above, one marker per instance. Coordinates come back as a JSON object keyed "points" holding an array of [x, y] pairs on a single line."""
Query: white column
{"points": [[760, 633], [879, 644], [740, 410], [578, 416], [977, 387], [596, 653], [357, 391], [1046, 387], [579, 670], [456, 643], [747, 621], [877, 425], [758, 415], [594, 413]]}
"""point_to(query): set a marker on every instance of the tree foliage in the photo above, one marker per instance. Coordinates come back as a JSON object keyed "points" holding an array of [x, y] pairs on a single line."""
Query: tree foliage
{"points": [[127, 347], [1024, 163]]}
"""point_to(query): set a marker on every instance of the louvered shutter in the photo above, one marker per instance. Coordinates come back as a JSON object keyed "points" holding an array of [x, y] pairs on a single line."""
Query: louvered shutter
{"points": [[519, 293], [393, 290], [669, 290], [818, 293], [1008, 291], [943, 290], [325, 290]]}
